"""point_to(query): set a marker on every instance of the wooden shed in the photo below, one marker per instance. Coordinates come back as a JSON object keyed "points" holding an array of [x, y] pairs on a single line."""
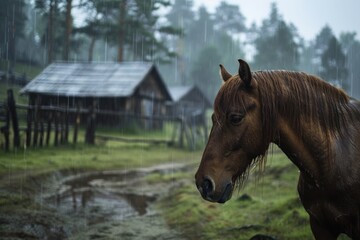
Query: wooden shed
{"points": [[187, 101], [135, 89], [189, 105]]}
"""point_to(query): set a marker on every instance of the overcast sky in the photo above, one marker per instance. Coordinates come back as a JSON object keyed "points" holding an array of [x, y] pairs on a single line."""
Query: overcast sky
{"points": [[309, 16]]}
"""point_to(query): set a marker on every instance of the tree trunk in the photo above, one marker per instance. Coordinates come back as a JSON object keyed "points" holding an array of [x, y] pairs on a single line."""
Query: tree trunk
{"points": [[68, 29], [14, 118], [91, 48], [121, 36], [50, 37], [11, 37]]}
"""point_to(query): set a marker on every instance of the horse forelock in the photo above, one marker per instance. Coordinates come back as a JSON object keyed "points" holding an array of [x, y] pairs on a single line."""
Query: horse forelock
{"points": [[228, 95]]}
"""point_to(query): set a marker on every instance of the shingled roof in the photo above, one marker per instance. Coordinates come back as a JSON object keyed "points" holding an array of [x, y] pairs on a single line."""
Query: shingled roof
{"points": [[179, 93], [91, 79]]}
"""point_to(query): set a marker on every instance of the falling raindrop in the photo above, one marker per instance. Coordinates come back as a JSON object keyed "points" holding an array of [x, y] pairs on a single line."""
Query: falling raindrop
{"points": [[41, 196], [106, 50], [205, 31]]}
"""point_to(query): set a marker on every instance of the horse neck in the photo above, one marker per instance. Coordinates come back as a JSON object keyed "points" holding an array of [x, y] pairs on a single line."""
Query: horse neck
{"points": [[302, 137], [306, 145], [311, 120], [294, 106]]}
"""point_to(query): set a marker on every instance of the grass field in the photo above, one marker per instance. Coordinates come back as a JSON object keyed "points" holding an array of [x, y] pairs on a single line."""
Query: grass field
{"points": [[19, 99], [267, 205], [29, 70], [104, 155], [20, 68]]}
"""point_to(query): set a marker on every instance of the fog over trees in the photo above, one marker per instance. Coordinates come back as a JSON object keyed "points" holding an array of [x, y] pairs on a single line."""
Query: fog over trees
{"points": [[186, 43]]}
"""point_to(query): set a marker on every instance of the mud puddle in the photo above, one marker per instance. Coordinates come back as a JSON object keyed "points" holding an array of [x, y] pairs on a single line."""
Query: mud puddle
{"points": [[100, 197], [88, 205]]}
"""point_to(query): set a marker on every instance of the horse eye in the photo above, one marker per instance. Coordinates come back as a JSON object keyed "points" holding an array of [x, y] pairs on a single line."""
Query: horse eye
{"points": [[235, 119]]}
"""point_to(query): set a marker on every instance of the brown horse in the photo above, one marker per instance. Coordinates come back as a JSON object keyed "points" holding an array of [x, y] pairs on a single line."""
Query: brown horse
{"points": [[315, 124]]}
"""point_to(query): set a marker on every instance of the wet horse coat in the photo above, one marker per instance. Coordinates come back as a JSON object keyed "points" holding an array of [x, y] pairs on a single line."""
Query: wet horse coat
{"points": [[315, 124]]}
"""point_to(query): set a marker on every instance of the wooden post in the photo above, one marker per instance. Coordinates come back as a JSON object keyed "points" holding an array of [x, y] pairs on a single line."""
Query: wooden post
{"points": [[187, 130], [77, 123], [28, 128], [12, 112], [6, 132], [36, 133], [56, 136], [5, 129], [62, 128], [48, 130], [192, 129], [90, 128], [182, 132], [174, 128], [41, 140], [36, 123], [66, 136], [29, 122]]}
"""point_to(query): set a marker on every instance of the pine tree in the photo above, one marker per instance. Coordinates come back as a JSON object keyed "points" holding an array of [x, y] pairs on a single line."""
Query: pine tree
{"points": [[311, 54], [351, 47], [228, 18], [55, 28], [276, 45], [12, 22], [333, 64], [206, 72], [69, 28], [132, 25]]}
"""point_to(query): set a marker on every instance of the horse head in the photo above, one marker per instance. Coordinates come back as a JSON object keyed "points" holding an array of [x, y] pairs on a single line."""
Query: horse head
{"points": [[236, 137]]}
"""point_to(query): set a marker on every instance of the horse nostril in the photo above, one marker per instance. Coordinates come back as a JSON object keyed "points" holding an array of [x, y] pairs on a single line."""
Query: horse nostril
{"points": [[207, 187]]}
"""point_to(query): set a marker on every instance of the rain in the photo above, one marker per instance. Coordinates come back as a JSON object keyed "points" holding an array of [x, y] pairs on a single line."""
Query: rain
{"points": [[106, 110]]}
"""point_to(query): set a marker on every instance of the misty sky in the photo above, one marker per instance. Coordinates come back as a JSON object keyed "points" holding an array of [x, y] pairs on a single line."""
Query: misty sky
{"points": [[309, 16]]}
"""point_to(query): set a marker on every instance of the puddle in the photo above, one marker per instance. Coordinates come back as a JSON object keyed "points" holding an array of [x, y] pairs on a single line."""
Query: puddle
{"points": [[110, 195]]}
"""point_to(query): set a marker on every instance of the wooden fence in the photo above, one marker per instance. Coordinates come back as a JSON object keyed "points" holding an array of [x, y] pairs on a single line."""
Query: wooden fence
{"points": [[7, 114], [41, 123], [47, 125]]}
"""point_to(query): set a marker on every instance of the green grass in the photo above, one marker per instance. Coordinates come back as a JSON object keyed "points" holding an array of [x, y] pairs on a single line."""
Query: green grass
{"points": [[269, 205], [107, 155], [21, 68], [19, 99], [30, 72], [101, 156], [165, 178]]}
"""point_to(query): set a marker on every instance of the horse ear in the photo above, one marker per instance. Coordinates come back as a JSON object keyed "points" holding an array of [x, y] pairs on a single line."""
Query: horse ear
{"points": [[244, 72], [224, 74]]}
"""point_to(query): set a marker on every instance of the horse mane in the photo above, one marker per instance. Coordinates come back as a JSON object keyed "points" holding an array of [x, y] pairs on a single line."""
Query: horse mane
{"points": [[300, 96]]}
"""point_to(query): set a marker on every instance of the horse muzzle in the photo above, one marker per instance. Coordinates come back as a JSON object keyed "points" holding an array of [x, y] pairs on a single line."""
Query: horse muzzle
{"points": [[210, 192]]}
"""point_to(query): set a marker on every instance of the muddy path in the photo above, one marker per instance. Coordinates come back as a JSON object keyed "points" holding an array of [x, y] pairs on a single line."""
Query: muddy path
{"points": [[89, 205]]}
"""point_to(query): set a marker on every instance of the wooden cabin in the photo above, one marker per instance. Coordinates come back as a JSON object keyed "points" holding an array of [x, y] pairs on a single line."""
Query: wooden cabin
{"points": [[135, 90], [189, 105], [187, 101]]}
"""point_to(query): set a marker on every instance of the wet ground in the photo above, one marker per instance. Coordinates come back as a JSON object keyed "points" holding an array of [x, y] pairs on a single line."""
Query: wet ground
{"points": [[95, 205]]}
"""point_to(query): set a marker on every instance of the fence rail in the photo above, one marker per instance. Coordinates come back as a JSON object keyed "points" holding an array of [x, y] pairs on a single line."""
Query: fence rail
{"points": [[46, 124], [135, 140]]}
